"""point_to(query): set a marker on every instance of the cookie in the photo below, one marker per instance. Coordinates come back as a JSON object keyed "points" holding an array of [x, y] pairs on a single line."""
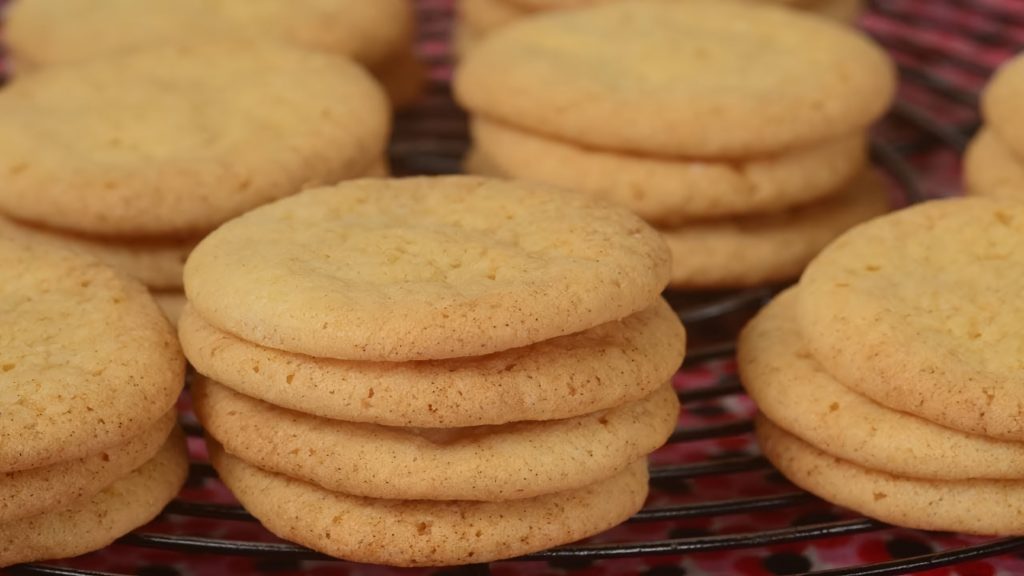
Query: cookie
{"points": [[984, 507], [594, 370], [39, 490], [87, 360], [195, 135], [157, 264], [172, 304], [424, 268], [485, 16], [97, 521], [765, 248], [701, 79], [487, 463], [424, 533], [930, 295], [1001, 105], [796, 394], [668, 191], [44, 32], [992, 170], [842, 10]]}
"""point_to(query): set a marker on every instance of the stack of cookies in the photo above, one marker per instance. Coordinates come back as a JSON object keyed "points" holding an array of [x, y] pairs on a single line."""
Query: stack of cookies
{"points": [[479, 18], [133, 158], [90, 372], [994, 164], [737, 129], [377, 34], [889, 379], [433, 371]]}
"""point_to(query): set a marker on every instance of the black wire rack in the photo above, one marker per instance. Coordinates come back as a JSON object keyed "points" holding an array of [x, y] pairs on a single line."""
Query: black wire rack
{"points": [[942, 73]]}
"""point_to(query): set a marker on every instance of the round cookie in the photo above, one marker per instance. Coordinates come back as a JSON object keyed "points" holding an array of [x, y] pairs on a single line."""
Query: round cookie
{"points": [[668, 191], [157, 264], [842, 10], [992, 170], [39, 490], [1001, 105], [87, 360], [173, 142], [424, 533], [44, 32], [796, 394], [983, 507], [600, 368], [93, 523], [424, 268], [489, 463], [484, 16], [765, 248], [931, 295], [702, 78]]}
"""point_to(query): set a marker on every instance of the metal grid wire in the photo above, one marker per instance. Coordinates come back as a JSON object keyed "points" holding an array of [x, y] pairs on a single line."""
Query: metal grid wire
{"points": [[431, 140]]}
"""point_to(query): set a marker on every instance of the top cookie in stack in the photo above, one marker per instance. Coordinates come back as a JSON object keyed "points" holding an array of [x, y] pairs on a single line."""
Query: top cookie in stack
{"points": [[463, 369], [478, 18], [376, 34], [701, 116], [994, 164]]}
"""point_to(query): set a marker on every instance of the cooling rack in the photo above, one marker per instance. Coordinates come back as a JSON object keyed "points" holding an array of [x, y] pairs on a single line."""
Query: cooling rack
{"points": [[716, 506]]}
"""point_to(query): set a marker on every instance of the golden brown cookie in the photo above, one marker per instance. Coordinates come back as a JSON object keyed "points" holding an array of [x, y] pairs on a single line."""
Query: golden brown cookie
{"points": [[992, 170], [424, 268], [986, 507], [424, 533], [765, 248], [668, 191], [790, 388], [173, 142], [930, 294], [600, 368], [484, 463], [1001, 105], [87, 360], [701, 79]]}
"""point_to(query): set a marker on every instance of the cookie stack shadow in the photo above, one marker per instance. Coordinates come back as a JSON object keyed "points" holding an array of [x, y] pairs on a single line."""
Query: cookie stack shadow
{"points": [[888, 380], [443, 371], [707, 118], [994, 162]]}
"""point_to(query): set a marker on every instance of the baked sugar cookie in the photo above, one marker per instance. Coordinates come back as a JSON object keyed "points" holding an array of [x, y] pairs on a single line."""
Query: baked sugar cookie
{"points": [[1001, 105], [424, 268], [796, 394], [701, 78], [39, 490], [424, 533], [87, 360], [603, 367], [765, 248], [667, 191], [931, 296], [985, 507], [196, 135], [486, 463], [992, 170], [97, 521]]}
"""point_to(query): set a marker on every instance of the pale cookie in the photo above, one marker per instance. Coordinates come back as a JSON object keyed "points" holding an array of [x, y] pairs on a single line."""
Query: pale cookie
{"points": [[984, 507], [484, 16], [702, 78], [792, 390], [1001, 104], [38, 490], [668, 191], [992, 170], [97, 521], [487, 463], [842, 10], [87, 360], [157, 264], [424, 268], [599, 368], [766, 248], [424, 533], [174, 142], [172, 304], [44, 32], [921, 311]]}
